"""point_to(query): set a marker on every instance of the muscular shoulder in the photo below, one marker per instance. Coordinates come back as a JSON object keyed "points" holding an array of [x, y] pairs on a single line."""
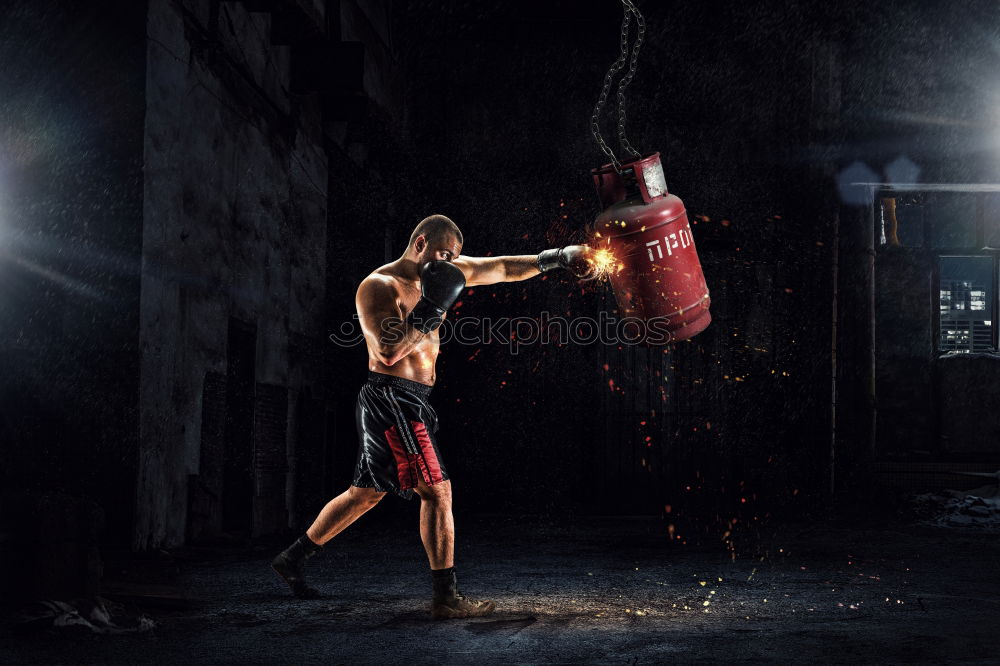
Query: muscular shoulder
{"points": [[377, 287]]}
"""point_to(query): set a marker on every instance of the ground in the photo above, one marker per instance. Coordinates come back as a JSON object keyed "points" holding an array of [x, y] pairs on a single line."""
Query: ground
{"points": [[599, 590]]}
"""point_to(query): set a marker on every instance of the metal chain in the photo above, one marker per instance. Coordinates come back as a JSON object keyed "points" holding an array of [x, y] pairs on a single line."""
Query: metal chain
{"points": [[640, 25], [616, 66]]}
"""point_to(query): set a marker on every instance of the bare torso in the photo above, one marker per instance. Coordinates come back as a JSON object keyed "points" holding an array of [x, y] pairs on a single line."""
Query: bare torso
{"points": [[419, 364], [390, 293]]}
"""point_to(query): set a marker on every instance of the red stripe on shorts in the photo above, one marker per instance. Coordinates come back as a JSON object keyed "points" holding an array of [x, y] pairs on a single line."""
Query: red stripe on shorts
{"points": [[430, 467], [404, 462]]}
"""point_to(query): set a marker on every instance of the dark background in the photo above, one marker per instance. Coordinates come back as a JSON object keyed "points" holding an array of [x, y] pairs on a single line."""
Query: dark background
{"points": [[190, 192]]}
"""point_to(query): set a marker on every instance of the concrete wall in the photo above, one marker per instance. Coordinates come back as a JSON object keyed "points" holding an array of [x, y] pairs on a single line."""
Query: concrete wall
{"points": [[904, 353], [970, 406], [370, 22], [234, 228]]}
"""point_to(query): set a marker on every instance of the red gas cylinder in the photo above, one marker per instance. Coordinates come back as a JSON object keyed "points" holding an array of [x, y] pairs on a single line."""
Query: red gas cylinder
{"points": [[658, 274]]}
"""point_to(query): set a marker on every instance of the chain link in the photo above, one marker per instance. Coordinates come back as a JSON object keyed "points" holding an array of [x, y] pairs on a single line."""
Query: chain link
{"points": [[617, 66], [640, 25]]}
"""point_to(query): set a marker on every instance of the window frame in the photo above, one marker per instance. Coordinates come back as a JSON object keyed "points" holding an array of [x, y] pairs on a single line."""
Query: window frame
{"points": [[993, 308]]}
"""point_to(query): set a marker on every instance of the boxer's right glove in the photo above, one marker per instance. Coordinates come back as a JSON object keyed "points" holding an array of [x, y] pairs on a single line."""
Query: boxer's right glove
{"points": [[574, 258], [440, 284]]}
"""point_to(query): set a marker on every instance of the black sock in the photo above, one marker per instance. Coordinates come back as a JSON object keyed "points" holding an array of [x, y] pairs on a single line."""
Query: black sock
{"points": [[445, 583], [302, 549]]}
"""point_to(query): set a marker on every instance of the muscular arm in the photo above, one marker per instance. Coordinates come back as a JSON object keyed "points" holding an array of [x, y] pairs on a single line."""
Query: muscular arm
{"points": [[388, 335], [490, 270]]}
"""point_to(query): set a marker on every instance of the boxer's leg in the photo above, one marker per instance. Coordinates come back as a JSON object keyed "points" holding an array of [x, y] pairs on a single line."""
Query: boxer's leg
{"points": [[338, 513], [341, 511], [437, 530], [437, 525]]}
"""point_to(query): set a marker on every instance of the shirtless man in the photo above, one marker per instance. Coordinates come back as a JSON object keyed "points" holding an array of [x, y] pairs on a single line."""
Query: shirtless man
{"points": [[401, 305]]}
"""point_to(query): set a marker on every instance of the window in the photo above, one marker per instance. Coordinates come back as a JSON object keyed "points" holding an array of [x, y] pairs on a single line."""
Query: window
{"points": [[967, 295], [960, 227]]}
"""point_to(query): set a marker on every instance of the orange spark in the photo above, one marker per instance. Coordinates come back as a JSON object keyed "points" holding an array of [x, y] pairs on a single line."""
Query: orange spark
{"points": [[604, 262]]}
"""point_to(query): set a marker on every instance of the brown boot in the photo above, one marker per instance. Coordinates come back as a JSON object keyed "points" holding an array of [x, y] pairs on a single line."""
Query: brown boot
{"points": [[448, 601]]}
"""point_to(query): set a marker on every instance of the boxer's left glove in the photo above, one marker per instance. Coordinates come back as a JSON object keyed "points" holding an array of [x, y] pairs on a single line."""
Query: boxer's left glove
{"points": [[440, 284], [574, 258]]}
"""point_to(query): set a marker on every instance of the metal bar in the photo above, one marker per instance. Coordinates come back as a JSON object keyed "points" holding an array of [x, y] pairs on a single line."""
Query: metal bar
{"points": [[933, 187]]}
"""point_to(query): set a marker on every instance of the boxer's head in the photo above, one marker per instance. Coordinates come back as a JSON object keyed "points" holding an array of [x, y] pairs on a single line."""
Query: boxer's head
{"points": [[435, 238]]}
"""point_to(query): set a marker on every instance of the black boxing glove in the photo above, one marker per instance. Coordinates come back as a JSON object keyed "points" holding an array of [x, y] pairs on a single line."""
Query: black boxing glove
{"points": [[573, 258], [440, 284]]}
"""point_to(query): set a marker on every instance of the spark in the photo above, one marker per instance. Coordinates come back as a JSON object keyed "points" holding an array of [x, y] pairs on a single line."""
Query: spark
{"points": [[605, 263]]}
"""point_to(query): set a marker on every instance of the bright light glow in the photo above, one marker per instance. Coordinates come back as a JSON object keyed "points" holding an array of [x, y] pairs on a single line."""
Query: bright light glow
{"points": [[605, 263]]}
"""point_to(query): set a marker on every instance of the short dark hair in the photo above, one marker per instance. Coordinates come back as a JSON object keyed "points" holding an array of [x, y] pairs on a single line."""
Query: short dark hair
{"points": [[433, 227]]}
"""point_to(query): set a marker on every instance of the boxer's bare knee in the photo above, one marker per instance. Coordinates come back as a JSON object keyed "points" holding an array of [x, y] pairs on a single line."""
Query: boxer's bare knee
{"points": [[365, 496], [438, 494]]}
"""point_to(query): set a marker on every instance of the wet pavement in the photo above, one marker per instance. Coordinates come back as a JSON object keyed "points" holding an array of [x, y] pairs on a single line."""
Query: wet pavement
{"points": [[602, 590]]}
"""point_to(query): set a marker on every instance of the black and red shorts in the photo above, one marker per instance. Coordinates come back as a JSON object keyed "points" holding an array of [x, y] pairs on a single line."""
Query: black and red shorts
{"points": [[396, 427]]}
